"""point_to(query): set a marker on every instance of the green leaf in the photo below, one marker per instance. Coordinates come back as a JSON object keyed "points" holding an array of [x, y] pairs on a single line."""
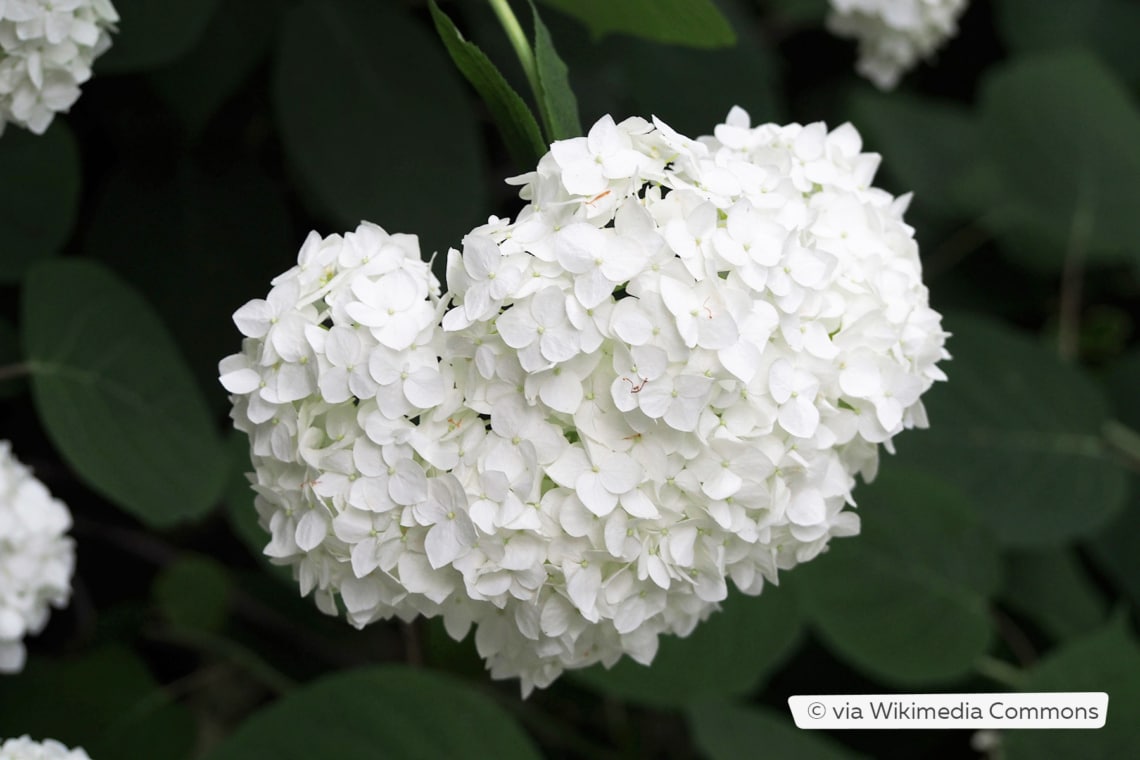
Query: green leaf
{"points": [[1020, 433], [1106, 26], [373, 144], [394, 712], [115, 396], [556, 98], [223, 234], [153, 33], [1051, 588], [929, 145], [906, 600], [1107, 660], [193, 592], [695, 23], [105, 701], [726, 731], [39, 194], [234, 43], [512, 115], [1061, 130], [727, 655]]}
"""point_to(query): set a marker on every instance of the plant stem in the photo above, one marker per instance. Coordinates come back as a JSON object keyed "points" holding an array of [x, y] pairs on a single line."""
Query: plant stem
{"points": [[999, 671], [1073, 280], [1124, 441], [519, 42]]}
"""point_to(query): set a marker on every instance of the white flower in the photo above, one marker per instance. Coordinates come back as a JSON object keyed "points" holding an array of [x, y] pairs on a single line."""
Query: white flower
{"points": [[36, 558], [665, 375], [894, 35], [47, 48], [49, 749]]}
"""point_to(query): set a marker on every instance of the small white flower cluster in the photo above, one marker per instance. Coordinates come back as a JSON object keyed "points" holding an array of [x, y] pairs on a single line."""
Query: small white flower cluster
{"points": [[26, 749], [36, 558], [665, 373], [894, 35], [47, 48]]}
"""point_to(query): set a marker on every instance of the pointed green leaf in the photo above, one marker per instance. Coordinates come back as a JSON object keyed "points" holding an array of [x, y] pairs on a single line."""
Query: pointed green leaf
{"points": [[516, 123], [392, 712], [907, 599], [725, 731], [116, 397], [557, 102], [376, 122], [39, 194], [1020, 433], [1114, 547], [1107, 660], [727, 655], [695, 23]]}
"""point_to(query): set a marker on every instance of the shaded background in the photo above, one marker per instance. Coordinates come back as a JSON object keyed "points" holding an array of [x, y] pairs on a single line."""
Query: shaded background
{"points": [[999, 547]]}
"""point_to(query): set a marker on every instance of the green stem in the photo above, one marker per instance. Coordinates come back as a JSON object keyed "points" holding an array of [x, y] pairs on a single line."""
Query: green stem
{"points": [[519, 41], [1124, 441], [999, 671]]}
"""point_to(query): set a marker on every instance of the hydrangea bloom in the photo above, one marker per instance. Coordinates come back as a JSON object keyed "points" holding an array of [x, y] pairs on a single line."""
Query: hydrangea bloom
{"points": [[36, 558], [26, 749], [665, 373], [47, 48], [894, 35]]}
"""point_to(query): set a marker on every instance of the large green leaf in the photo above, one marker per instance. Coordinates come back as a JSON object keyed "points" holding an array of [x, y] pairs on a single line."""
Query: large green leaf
{"points": [[105, 701], [511, 114], [1061, 130], [1106, 26], [1020, 433], [392, 712], [115, 395], [1050, 587], [906, 600], [39, 193], [152, 33], [695, 23], [725, 731], [376, 122], [727, 655], [557, 102], [1108, 661]]}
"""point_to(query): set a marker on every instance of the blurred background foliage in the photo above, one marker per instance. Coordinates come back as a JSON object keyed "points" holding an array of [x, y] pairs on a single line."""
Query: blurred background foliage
{"points": [[999, 549]]}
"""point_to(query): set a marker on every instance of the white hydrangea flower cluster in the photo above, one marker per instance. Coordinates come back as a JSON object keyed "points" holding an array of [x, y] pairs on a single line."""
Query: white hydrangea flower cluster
{"points": [[36, 558], [894, 35], [47, 48], [665, 373], [26, 749]]}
